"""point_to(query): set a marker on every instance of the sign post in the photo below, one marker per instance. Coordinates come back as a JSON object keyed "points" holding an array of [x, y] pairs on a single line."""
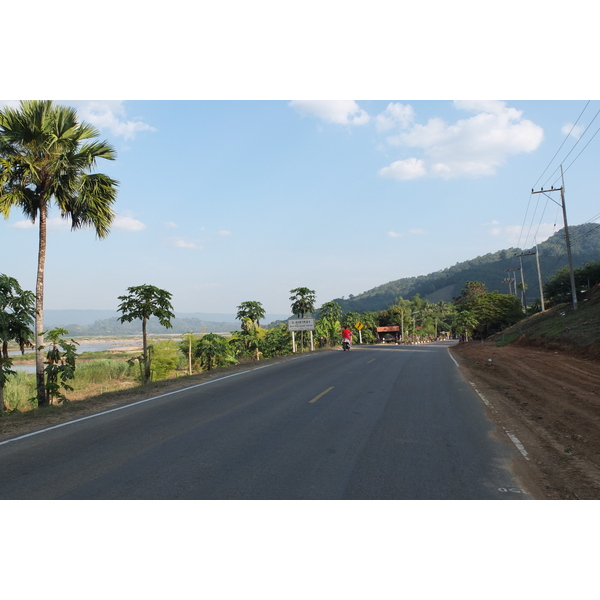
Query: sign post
{"points": [[360, 326], [301, 325]]}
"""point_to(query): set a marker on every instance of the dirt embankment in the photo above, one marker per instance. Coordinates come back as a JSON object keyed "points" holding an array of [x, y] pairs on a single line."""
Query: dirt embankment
{"points": [[549, 400]]}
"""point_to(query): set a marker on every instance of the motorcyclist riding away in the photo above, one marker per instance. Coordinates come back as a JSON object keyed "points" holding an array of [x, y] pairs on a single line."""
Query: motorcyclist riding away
{"points": [[347, 336]]}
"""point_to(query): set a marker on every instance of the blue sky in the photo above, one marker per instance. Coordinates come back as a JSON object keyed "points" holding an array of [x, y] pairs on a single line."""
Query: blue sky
{"points": [[226, 201]]}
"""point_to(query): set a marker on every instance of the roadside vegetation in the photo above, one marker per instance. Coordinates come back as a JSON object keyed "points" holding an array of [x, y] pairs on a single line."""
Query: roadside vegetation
{"points": [[475, 314], [72, 376]]}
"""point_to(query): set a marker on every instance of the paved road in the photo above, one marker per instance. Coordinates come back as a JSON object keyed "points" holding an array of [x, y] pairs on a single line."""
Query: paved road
{"points": [[383, 422]]}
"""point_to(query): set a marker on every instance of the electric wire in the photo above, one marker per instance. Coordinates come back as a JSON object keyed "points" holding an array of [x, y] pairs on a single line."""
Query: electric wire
{"points": [[563, 142], [571, 163], [555, 170], [575, 146]]}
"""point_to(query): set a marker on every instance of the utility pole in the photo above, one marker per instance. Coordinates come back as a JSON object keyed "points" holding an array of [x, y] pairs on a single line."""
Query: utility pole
{"points": [[514, 280], [402, 326], [523, 286], [509, 282], [537, 260], [567, 240], [539, 273]]}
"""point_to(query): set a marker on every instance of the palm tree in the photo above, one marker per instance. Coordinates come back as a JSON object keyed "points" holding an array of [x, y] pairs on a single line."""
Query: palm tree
{"points": [[466, 322], [45, 156]]}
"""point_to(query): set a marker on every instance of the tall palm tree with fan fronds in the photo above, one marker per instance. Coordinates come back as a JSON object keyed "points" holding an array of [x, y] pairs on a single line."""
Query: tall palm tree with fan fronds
{"points": [[46, 157]]}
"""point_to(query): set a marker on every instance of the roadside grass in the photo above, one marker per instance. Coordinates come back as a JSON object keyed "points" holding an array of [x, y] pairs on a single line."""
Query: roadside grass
{"points": [[91, 378], [559, 328], [19, 391], [507, 339]]}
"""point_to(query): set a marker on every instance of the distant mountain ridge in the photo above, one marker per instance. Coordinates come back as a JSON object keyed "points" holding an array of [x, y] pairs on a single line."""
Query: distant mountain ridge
{"points": [[105, 322], [491, 269]]}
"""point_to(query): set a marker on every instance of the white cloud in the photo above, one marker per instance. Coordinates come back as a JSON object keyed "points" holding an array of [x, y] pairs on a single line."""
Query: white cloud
{"points": [[126, 223], [110, 115], [25, 224], [570, 129], [224, 233], [411, 168], [343, 112], [395, 115], [171, 225], [394, 234], [473, 147]]}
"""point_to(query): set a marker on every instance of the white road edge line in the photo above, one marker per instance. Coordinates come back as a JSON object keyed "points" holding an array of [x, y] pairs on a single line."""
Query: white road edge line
{"points": [[452, 357], [111, 410], [513, 438], [517, 443]]}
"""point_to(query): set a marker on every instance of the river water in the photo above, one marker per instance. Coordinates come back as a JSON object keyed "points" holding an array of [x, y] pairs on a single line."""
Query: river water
{"points": [[86, 347]]}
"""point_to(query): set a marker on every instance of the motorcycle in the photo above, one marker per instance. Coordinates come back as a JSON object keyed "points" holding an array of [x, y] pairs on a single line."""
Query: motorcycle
{"points": [[345, 345]]}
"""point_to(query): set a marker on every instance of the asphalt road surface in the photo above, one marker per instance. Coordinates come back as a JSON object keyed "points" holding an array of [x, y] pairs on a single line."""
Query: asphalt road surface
{"points": [[378, 422]]}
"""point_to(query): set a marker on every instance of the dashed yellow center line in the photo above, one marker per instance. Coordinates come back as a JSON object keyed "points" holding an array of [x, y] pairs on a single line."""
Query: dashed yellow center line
{"points": [[370, 361], [321, 395]]}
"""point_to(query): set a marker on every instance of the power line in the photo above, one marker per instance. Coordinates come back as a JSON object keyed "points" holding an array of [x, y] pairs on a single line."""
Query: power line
{"points": [[555, 170], [538, 179], [563, 142], [575, 146], [571, 163]]}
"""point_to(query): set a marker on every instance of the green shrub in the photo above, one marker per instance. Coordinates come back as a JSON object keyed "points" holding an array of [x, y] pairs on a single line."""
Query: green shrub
{"points": [[166, 357]]}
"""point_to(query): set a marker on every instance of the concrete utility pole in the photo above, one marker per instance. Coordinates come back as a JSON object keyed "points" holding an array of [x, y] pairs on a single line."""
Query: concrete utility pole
{"points": [[523, 286], [539, 273], [514, 279], [537, 260], [567, 240], [509, 282]]}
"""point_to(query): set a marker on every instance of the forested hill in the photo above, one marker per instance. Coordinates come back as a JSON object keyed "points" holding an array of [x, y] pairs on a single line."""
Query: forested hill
{"points": [[489, 269]]}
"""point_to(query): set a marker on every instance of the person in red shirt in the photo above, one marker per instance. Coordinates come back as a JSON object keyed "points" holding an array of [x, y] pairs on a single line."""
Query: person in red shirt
{"points": [[347, 335]]}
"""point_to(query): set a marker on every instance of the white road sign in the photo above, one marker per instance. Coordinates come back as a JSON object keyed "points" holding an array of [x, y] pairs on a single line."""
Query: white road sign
{"points": [[301, 324]]}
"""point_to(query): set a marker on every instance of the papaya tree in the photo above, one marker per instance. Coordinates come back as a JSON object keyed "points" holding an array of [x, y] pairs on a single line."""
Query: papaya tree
{"points": [[60, 364], [17, 316], [303, 302], [143, 302], [252, 311], [214, 351]]}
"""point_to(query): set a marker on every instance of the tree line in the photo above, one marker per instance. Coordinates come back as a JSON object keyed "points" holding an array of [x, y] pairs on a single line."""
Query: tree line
{"points": [[475, 313]]}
